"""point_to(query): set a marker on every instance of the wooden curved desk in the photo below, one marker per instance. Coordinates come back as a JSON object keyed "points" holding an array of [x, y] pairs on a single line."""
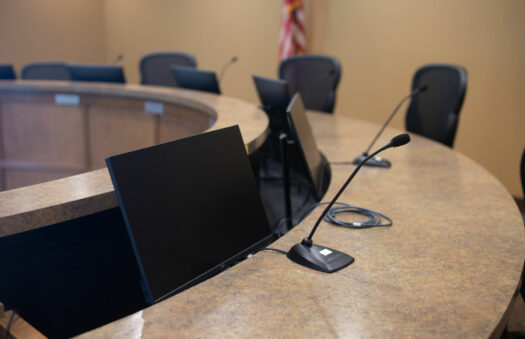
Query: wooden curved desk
{"points": [[448, 267], [107, 119]]}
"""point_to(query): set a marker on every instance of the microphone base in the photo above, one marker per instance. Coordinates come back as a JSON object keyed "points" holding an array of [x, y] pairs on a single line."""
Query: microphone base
{"points": [[373, 162], [319, 258]]}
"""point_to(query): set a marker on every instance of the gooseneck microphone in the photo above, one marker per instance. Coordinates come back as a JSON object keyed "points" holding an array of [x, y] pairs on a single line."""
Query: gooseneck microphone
{"points": [[377, 161], [325, 259], [223, 69], [118, 59]]}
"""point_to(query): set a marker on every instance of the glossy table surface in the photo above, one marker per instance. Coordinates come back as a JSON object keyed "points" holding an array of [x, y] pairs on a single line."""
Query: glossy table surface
{"points": [[448, 267]]}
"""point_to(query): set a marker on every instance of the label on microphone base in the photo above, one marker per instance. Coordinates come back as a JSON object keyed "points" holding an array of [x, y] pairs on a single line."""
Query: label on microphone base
{"points": [[67, 99], [325, 252], [154, 107]]}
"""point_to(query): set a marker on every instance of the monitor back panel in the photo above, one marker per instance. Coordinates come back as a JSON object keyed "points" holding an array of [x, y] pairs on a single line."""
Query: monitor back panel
{"points": [[302, 133], [190, 205], [273, 93], [196, 79]]}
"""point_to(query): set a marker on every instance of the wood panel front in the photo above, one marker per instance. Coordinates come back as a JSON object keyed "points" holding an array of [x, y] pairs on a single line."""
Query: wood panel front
{"points": [[71, 197], [115, 130], [181, 122], [44, 139]]}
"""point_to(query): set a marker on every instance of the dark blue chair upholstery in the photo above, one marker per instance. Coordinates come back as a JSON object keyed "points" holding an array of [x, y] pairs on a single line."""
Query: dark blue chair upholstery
{"points": [[155, 68], [96, 73], [435, 112], [190, 78], [315, 77], [46, 71], [523, 172], [7, 72]]}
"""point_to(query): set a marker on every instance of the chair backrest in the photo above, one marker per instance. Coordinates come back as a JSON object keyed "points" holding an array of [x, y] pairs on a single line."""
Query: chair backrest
{"points": [[435, 112], [155, 68], [315, 77], [96, 73], [7, 72], [46, 71], [190, 78], [522, 170]]}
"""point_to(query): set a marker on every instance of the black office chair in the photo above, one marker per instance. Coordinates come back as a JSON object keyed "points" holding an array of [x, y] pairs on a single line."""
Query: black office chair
{"points": [[155, 68], [199, 80], [523, 172], [96, 73], [7, 72], [46, 71], [435, 113], [315, 77]]}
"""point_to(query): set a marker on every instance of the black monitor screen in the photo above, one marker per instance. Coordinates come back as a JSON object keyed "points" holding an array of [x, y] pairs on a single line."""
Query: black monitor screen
{"points": [[190, 205], [196, 79], [97, 73], [302, 133], [273, 93]]}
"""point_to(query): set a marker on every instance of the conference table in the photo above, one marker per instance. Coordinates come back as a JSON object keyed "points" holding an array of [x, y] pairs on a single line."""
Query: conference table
{"points": [[449, 266]]}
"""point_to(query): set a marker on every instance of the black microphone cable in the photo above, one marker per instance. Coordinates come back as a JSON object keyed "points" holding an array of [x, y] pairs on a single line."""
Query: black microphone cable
{"points": [[375, 219], [273, 250], [9, 323]]}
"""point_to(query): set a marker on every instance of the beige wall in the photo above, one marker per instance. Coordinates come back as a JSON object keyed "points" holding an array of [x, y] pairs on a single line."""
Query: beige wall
{"points": [[212, 30], [380, 44], [51, 30]]}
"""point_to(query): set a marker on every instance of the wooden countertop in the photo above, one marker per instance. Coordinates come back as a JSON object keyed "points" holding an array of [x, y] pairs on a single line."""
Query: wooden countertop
{"points": [[64, 199], [448, 267]]}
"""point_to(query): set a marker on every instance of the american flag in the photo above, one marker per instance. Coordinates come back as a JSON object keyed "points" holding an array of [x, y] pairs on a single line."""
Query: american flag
{"points": [[292, 40]]}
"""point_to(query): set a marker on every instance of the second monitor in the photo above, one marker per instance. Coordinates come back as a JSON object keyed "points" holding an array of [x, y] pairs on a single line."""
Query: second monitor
{"points": [[314, 163], [196, 79]]}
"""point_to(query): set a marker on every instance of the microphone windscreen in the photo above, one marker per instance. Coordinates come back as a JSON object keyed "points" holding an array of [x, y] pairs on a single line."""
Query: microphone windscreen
{"points": [[400, 140], [423, 88]]}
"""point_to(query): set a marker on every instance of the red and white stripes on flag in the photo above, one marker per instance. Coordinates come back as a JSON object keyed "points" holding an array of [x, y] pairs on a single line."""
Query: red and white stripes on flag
{"points": [[292, 40]]}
